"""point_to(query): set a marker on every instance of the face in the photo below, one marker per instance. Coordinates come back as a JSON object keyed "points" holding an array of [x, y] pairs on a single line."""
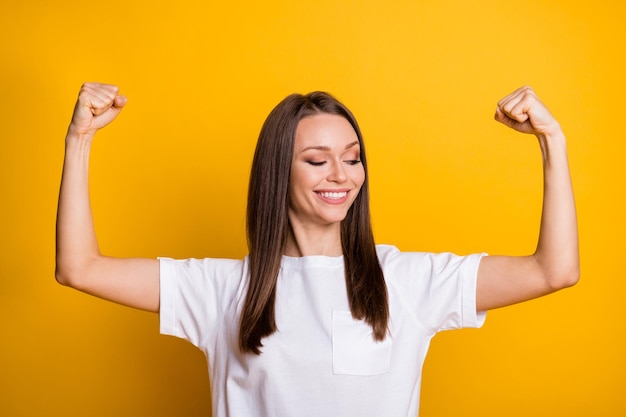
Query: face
{"points": [[326, 170]]}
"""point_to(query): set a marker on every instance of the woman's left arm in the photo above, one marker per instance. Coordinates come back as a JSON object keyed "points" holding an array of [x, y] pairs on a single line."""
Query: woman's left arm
{"points": [[506, 280]]}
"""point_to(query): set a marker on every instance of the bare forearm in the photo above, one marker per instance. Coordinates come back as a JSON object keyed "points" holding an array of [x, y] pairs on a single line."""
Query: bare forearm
{"points": [[557, 248], [76, 239], [505, 280], [133, 282]]}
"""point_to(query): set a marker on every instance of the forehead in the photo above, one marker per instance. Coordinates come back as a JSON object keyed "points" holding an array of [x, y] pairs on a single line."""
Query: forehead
{"points": [[324, 130]]}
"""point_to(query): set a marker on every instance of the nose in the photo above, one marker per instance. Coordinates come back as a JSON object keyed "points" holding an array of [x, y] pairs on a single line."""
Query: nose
{"points": [[337, 173]]}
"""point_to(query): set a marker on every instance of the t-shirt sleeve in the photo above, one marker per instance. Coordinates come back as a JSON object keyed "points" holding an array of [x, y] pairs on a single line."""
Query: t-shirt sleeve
{"points": [[451, 294], [439, 288], [458, 289], [194, 295]]}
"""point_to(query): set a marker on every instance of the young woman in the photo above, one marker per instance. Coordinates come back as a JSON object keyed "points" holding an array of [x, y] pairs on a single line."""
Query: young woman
{"points": [[317, 319]]}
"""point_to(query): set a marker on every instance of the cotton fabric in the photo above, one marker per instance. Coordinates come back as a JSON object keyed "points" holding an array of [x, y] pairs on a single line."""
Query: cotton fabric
{"points": [[320, 362]]}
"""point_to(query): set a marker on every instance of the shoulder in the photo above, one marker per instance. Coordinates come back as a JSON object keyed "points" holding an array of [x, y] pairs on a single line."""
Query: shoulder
{"points": [[202, 263], [209, 282], [394, 261], [205, 268], [391, 256]]}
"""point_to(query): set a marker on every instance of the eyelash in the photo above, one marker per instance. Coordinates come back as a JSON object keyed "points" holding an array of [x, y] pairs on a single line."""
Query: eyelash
{"points": [[319, 164]]}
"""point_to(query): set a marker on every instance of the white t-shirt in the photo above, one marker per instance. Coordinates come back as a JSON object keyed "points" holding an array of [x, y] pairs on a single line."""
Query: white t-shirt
{"points": [[320, 362]]}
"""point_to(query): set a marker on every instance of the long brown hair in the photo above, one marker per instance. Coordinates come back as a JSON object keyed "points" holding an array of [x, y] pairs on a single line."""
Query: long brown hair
{"points": [[268, 225]]}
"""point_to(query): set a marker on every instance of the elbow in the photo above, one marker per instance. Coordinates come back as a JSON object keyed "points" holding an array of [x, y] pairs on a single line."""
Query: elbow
{"points": [[564, 279], [62, 276], [558, 272], [74, 269], [68, 276], [77, 274]]}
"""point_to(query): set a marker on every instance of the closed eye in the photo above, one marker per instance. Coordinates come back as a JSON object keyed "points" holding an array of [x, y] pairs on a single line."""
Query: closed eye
{"points": [[316, 163], [353, 161]]}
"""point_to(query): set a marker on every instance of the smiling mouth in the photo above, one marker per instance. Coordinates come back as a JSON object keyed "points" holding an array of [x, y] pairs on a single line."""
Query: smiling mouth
{"points": [[333, 195]]}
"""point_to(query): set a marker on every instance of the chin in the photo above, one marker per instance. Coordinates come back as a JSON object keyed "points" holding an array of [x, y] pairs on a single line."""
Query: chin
{"points": [[334, 219]]}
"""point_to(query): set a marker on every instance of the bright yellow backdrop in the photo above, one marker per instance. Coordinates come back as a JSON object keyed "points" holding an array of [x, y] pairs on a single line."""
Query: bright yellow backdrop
{"points": [[169, 179]]}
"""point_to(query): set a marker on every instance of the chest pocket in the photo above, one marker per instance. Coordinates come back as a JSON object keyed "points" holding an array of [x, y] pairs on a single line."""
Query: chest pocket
{"points": [[355, 351]]}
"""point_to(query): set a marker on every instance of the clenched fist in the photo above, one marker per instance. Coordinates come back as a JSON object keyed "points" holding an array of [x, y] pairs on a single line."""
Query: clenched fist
{"points": [[523, 111], [97, 105]]}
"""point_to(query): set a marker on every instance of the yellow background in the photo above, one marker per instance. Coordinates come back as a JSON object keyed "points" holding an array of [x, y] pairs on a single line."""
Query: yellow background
{"points": [[169, 178]]}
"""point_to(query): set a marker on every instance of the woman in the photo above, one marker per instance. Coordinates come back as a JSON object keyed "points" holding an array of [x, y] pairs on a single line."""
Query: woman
{"points": [[317, 320]]}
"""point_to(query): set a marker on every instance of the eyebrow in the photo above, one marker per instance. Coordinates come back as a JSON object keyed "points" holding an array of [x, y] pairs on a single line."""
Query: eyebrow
{"points": [[327, 148]]}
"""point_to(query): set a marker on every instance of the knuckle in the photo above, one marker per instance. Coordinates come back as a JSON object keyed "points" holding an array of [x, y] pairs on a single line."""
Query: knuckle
{"points": [[529, 92]]}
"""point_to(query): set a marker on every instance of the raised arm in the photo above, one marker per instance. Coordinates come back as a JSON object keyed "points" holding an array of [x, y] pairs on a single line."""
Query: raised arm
{"points": [[505, 280], [79, 263]]}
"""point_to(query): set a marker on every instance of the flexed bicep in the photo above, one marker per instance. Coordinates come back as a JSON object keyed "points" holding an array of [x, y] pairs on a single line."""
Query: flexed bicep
{"points": [[79, 263], [505, 280]]}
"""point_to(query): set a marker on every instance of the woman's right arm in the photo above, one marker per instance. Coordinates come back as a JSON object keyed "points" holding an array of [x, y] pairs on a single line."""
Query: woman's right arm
{"points": [[79, 263]]}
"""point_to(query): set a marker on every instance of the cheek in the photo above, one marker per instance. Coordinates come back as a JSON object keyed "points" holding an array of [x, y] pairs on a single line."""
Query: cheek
{"points": [[360, 177], [299, 182], [295, 182], [302, 178]]}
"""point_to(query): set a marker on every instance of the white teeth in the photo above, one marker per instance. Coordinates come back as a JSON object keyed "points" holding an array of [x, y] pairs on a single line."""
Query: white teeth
{"points": [[333, 195]]}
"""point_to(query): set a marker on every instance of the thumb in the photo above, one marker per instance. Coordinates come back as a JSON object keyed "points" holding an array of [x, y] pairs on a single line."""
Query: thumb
{"points": [[115, 106], [517, 122], [119, 102], [503, 118], [105, 115]]}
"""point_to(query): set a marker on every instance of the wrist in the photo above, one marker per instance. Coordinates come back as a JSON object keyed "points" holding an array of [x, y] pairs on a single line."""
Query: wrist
{"points": [[75, 135], [551, 133], [553, 144], [77, 144]]}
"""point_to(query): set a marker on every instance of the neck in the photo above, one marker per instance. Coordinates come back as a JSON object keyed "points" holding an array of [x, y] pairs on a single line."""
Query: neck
{"points": [[313, 240]]}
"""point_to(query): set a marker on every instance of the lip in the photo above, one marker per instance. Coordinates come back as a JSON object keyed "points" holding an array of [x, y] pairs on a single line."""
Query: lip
{"points": [[339, 196]]}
